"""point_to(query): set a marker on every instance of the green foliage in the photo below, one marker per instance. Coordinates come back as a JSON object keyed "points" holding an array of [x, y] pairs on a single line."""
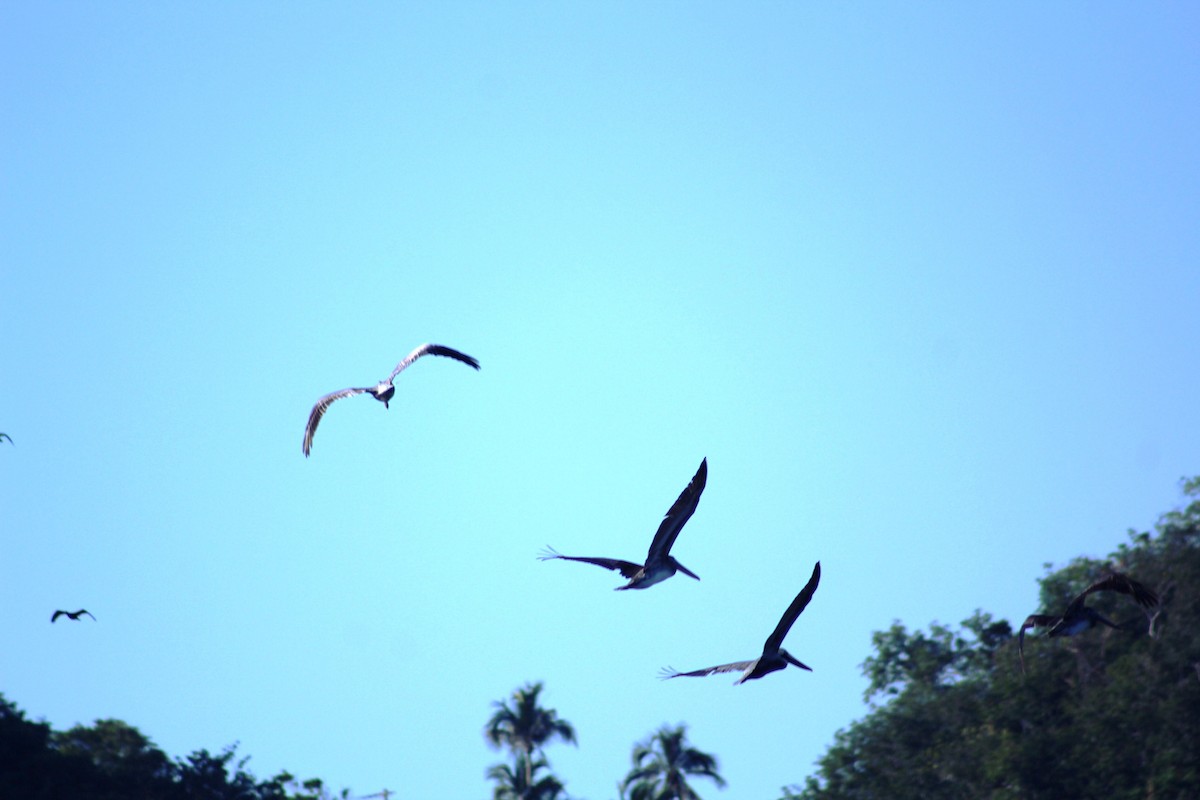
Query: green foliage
{"points": [[1108, 714], [521, 780], [919, 662], [662, 764], [524, 727], [114, 761]]}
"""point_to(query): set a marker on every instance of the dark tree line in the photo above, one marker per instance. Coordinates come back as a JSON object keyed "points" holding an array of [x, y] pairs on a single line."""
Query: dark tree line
{"points": [[1111, 714], [111, 760]]}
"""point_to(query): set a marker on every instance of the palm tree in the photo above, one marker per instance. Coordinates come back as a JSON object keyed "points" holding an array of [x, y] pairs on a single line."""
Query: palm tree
{"points": [[524, 727], [661, 765], [518, 782]]}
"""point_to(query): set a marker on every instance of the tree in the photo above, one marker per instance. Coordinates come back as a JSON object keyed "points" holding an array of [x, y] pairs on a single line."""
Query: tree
{"points": [[524, 727], [662, 764], [123, 762], [29, 768], [112, 760], [520, 782], [1110, 713]]}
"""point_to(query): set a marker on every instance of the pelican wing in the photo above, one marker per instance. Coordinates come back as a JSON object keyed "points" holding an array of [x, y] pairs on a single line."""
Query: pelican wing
{"points": [[737, 666], [1116, 582], [1032, 621], [677, 515], [432, 350], [318, 411], [627, 568], [775, 640]]}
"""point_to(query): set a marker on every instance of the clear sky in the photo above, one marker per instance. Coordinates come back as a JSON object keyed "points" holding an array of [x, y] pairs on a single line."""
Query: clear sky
{"points": [[920, 282]]}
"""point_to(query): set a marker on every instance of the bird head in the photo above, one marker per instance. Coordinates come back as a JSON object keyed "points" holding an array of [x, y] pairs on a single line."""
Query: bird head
{"points": [[791, 659], [683, 569]]}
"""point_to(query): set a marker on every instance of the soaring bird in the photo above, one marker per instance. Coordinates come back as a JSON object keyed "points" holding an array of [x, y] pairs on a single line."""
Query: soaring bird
{"points": [[73, 615], [381, 391], [1078, 617], [660, 564], [773, 657]]}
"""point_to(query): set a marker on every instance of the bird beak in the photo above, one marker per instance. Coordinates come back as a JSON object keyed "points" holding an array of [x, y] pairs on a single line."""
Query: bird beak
{"points": [[686, 571], [791, 659]]}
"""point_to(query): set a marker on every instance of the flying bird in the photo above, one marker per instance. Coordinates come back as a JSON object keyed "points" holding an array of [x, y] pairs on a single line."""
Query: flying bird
{"points": [[382, 391], [660, 564], [72, 615], [1078, 617], [773, 657]]}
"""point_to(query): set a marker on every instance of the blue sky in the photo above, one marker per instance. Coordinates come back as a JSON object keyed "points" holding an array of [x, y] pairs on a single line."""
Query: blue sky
{"points": [[920, 283]]}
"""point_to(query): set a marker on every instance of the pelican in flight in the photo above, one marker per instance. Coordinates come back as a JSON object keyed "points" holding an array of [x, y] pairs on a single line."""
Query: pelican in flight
{"points": [[382, 391], [73, 615], [773, 657], [1078, 617], [660, 564]]}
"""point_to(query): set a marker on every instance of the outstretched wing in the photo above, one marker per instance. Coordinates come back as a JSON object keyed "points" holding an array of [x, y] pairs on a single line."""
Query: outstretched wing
{"points": [[1116, 582], [85, 611], [666, 673], [56, 615], [1032, 621], [775, 640], [318, 411], [678, 514], [627, 568], [432, 350]]}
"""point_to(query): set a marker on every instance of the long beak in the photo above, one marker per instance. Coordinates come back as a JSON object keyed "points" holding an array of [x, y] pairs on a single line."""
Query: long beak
{"points": [[791, 659], [686, 571]]}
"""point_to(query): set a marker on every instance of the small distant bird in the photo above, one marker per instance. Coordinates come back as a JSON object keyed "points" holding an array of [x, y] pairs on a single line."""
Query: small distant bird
{"points": [[773, 657], [382, 391], [1078, 617], [72, 615], [659, 565]]}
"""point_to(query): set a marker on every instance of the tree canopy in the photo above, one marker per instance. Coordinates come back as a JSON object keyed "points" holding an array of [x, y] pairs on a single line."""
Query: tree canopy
{"points": [[662, 765], [1106, 714], [111, 760]]}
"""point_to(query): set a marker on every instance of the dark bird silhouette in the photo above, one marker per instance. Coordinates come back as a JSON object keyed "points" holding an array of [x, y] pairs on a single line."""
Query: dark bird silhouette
{"points": [[773, 657], [660, 564], [382, 391], [1078, 617], [73, 615]]}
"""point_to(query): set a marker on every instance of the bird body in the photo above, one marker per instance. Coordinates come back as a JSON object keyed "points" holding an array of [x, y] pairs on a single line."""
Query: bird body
{"points": [[1085, 620], [1078, 618], [73, 615], [382, 391], [660, 564], [774, 657]]}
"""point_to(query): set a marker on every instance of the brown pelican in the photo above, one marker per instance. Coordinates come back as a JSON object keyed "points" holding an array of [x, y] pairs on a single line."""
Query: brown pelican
{"points": [[1078, 617], [74, 615], [659, 565], [773, 656], [382, 391]]}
